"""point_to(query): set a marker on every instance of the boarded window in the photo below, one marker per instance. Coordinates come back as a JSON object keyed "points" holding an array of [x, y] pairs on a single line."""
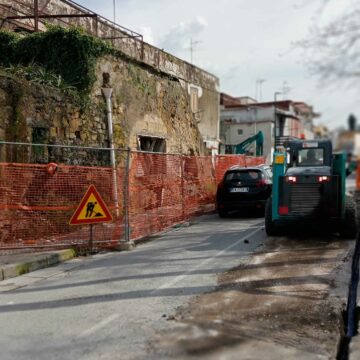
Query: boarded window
{"points": [[194, 99]]}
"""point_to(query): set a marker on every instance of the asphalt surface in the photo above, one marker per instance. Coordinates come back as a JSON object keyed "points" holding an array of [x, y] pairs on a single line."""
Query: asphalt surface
{"points": [[286, 302], [112, 306]]}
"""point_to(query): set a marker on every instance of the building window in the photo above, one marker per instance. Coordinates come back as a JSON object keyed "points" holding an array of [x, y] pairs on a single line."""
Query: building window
{"points": [[194, 99], [152, 144], [240, 131], [39, 135]]}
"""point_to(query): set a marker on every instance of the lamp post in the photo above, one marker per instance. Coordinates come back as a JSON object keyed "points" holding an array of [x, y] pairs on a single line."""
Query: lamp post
{"points": [[275, 122]]}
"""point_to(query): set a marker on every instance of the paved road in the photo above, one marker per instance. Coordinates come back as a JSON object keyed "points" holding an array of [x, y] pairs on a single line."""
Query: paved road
{"points": [[110, 306], [351, 183]]}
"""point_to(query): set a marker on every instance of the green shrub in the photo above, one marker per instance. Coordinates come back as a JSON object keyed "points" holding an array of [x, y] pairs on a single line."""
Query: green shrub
{"points": [[69, 53], [7, 47]]}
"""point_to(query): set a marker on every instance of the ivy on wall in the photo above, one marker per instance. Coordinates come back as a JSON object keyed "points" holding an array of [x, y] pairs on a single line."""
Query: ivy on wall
{"points": [[68, 53], [8, 43]]}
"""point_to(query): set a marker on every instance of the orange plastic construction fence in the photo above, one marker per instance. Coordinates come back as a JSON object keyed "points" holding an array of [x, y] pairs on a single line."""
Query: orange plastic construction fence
{"points": [[224, 162], [160, 190], [36, 206]]}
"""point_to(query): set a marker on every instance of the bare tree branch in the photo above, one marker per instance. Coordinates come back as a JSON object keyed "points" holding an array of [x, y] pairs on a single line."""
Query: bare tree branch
{"points": [[333, 51]]}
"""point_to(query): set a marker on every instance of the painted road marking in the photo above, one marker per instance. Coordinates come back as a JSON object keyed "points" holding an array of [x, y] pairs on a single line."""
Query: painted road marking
{"points": [[99, 326], [187, 273]]}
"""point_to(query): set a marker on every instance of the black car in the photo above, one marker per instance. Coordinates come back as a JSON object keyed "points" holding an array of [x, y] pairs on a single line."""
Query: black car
{"points": [[244, 188]]}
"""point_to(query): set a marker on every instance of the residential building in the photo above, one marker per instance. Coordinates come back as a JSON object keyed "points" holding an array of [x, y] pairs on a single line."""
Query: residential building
{"points": [[280, 120], [321, 132]]}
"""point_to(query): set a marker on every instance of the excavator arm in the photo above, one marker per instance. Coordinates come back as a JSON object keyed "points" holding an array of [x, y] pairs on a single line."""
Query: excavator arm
{"points": [[244, 146]]}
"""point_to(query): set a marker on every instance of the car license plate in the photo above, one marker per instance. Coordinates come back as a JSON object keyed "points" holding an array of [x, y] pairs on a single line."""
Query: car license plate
{"points": [[243, 189]]}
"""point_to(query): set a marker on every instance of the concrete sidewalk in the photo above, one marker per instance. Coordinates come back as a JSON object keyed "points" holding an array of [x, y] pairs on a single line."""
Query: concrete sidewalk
{"points": [[12, 265]]}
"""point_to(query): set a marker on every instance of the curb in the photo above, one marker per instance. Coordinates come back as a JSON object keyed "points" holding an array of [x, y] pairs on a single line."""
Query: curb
{"points": [[41, 262]]}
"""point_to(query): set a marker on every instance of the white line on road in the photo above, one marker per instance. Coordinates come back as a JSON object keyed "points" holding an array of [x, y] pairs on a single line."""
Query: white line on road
{"points": [[99, 326], [187, 273]]}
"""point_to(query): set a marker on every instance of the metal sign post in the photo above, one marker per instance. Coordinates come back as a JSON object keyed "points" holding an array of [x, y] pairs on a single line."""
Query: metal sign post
{"points": [[91, 238], [91, 210]]}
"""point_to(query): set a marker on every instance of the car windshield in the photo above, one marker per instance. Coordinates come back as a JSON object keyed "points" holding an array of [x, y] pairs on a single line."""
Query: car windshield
{"points": [[310, 157], [269, 173], [244, 175]]}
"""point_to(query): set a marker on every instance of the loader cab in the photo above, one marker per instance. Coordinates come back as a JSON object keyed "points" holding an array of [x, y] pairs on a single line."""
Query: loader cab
{"points": [[314, 153]]}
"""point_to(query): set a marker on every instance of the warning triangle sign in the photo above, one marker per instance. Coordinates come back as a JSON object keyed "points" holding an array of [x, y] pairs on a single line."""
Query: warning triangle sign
{"points": [[91, 210]]}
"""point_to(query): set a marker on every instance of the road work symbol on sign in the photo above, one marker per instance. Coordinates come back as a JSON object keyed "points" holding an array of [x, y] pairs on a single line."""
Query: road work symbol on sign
{"points": [[91, 210]]}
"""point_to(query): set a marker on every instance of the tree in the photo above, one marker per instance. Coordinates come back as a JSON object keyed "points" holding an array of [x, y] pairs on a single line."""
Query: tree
{"points": [[333, 49]]}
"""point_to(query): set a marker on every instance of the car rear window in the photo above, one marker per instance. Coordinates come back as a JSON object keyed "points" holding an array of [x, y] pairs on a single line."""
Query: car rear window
{"points": [[244, 175]]}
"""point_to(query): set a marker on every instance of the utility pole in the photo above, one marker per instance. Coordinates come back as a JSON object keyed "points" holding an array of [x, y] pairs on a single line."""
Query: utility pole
{"points": [[277, 129], [114, 15], [285, 90]]}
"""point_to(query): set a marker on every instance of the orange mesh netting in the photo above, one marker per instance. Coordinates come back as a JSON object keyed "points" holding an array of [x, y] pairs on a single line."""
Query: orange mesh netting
{"points": [[163, 190], [167, 189], [224, 162], [36, 207]]}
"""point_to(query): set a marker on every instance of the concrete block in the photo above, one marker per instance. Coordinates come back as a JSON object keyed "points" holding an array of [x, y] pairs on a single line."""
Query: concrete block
{"points": [[126, 246]]}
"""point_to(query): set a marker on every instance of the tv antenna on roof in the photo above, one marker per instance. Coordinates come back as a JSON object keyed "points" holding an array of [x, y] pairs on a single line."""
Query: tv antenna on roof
{"points": [[258, 88], [192, 48]]}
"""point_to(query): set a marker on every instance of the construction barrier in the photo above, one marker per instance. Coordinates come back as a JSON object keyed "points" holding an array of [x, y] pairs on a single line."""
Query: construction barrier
{"points": [[36, 206], [224, 162], [147, 193]]}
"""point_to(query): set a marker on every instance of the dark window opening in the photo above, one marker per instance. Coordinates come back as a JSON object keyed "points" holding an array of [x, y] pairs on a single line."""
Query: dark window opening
{"points": [[152, 144], [39, 135], [78, 134], [281, 126]]}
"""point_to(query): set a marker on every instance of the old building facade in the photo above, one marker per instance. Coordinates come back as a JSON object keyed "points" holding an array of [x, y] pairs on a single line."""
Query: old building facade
{"points": [[159, 102], [243, 117]]}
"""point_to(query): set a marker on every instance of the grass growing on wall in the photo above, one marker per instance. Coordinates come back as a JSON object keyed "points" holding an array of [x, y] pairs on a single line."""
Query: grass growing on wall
{"points": [[70, 54]]}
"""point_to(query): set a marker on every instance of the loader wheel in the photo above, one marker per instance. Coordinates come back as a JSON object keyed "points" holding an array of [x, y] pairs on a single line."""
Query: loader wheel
{"points": [[270, 227], [349, 226]]}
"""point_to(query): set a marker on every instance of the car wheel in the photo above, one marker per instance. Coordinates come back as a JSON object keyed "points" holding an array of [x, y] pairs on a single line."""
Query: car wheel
{"points": [[223, 213]]}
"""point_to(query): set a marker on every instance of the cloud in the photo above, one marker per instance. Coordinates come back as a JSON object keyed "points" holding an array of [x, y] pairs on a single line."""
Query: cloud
{"points": [[147, 34], [177, 40]]}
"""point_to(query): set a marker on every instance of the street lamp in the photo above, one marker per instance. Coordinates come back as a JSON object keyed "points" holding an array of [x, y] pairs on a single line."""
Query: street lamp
{"points": [[276, 129]]}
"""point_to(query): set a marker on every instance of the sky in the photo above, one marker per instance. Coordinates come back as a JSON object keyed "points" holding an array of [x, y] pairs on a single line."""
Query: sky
{"points": [[242, 42]]}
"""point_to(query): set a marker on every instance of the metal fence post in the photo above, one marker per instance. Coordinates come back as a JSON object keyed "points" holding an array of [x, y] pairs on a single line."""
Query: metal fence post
{"points": [[127, 195], [182, 162]]}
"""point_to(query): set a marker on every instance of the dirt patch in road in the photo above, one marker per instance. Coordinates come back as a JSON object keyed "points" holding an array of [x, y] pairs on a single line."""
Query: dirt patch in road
{"points": [[285, 302]]}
